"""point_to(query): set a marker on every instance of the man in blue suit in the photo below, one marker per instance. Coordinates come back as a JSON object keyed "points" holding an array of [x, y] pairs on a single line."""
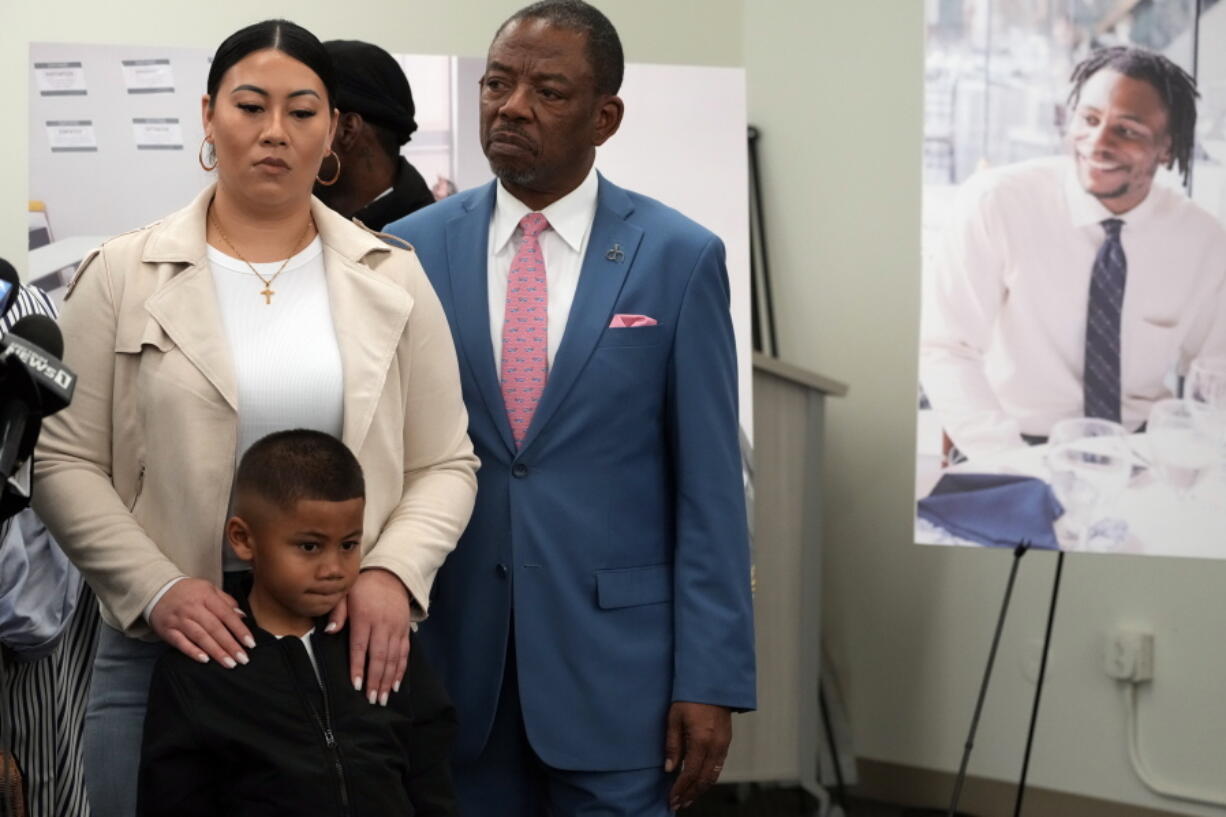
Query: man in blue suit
{"points": [[594, 625]]}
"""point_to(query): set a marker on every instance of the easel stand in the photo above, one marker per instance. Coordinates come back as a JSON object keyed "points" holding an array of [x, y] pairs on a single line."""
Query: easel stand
{"points": [[1018, 553], [1038, 687]]}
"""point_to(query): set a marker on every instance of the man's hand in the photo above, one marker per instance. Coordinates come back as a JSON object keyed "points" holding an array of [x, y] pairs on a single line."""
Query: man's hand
{"points": [[697, 742], [202, 621], [378, 605]]}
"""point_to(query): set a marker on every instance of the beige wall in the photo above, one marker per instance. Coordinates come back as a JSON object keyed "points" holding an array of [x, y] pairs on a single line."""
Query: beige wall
{"points": [[836, 90], [706, 32]]}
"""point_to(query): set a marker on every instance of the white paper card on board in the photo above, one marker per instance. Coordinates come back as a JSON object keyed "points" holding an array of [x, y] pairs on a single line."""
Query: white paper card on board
{"points": [[60, 78], [152, 76], [157, 133], [72, 136]]}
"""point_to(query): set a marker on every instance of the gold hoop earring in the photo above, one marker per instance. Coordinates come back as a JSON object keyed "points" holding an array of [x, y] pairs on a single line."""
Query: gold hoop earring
{"points": [[200, 156], [336, 176]]}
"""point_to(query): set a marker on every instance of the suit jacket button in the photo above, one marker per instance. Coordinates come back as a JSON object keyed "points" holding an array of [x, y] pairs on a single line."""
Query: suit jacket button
{"points": [[519, 470], [502, 570]]}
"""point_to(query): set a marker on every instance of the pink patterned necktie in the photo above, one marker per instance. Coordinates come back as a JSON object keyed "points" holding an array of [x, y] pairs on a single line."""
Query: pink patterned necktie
{"points": [[525, 329]]}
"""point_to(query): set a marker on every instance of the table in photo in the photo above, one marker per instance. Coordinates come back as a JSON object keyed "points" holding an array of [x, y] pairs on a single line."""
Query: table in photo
{"points": [[1159, 522]]}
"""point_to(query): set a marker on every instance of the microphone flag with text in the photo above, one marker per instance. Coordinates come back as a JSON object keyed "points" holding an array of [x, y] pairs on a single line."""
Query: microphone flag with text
{"points": [[34, 383]]}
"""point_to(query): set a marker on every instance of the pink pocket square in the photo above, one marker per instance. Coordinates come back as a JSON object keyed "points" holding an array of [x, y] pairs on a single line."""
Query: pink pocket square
{"points": [[627, 321]]}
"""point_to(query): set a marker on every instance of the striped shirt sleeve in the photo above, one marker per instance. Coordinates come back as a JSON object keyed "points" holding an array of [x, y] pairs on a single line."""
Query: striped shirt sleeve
{"points": [[30, 301]]}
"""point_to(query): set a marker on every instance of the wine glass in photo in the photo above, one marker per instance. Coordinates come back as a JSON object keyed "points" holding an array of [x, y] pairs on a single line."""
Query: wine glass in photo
{"points": [[1090, 463], [1181, 443], [1206, 385], [1206, 382]]}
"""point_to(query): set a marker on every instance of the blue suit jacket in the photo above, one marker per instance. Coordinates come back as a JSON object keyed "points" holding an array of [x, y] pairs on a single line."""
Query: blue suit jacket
{"points": [[616, 537]]}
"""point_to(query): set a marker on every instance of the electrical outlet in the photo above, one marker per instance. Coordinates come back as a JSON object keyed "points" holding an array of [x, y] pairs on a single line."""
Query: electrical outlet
{"points": [[1130, 655]]}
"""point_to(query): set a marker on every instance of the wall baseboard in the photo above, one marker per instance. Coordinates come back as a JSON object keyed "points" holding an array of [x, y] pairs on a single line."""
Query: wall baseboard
{"points": [[982, 797]]}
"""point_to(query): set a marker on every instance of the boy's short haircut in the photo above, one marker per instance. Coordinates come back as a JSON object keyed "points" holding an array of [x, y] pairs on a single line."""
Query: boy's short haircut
{"points": [[287, 466]]}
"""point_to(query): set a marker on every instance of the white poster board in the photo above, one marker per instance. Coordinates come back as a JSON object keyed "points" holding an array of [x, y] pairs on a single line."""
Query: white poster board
{"points": [[115, 131], [1015, 211]]}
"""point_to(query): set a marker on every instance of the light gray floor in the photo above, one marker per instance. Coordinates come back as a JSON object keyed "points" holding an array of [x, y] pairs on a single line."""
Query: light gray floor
{"points": [[732, 801]]}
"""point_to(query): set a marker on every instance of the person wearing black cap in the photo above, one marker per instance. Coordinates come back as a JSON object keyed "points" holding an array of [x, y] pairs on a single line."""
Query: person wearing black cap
{"points": [[372, 181]]}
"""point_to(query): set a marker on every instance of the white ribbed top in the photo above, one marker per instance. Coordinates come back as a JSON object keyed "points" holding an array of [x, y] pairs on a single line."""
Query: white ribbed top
{"points": [[286, 360]]}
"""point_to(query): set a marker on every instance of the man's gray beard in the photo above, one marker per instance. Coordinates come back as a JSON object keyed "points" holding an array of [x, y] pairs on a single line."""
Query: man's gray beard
{"points": [[522, 177]]}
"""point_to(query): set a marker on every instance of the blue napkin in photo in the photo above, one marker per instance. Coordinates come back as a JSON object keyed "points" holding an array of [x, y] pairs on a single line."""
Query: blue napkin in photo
{"points": [[998, 510]]}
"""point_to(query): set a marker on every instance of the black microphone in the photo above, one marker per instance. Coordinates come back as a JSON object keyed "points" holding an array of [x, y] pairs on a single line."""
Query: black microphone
{"points": [[10, 285], [36, 342], [34, 383], [41, 331]]}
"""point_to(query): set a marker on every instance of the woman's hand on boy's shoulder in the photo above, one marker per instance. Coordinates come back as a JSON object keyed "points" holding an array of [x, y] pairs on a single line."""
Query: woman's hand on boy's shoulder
{"points": [[203, 622], [377, 609]]}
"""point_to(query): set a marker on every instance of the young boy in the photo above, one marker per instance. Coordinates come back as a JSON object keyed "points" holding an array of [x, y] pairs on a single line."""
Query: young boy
{"points": [[287, 734]]}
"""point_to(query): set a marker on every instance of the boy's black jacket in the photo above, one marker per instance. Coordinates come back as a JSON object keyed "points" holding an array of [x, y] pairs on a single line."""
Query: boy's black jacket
{"points": [[251, 740]]}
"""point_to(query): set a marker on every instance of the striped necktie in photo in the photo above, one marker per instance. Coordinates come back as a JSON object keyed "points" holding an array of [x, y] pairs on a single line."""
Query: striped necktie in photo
{"points": [[1102, 361]]}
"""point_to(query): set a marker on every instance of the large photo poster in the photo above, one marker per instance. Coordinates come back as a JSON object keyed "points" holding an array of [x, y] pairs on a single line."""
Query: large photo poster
{"points": [[1073, 343]]}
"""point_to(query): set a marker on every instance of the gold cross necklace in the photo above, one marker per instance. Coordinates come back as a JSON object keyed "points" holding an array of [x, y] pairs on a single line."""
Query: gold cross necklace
{"points": [[268, 291]]}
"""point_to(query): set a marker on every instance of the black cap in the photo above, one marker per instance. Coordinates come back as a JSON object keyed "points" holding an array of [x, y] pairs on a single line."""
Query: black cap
{"points": [[370, 82]]}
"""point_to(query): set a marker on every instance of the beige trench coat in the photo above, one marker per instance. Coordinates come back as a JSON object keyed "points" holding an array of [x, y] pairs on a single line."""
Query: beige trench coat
{"points": [[134, 477]]}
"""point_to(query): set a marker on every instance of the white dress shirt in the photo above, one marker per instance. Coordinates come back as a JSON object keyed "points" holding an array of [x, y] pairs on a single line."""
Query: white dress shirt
{"points": [[562, 245], [1003, 340]]}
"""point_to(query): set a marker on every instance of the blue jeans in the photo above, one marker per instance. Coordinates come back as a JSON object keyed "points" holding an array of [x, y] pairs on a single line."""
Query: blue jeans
{"points": [[114, 720]]}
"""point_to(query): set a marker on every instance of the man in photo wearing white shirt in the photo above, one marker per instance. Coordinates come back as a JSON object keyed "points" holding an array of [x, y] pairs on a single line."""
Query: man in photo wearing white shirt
{"points": [[1074, 286]]}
